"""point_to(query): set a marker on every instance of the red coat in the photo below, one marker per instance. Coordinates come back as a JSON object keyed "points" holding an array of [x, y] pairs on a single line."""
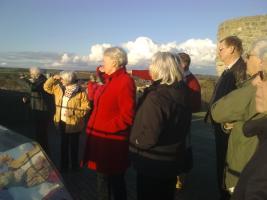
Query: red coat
{"points": [[109, 124], [143, 74], [195, 92]]}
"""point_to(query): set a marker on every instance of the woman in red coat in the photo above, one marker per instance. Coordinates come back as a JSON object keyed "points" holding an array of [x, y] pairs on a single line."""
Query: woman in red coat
{"points": [[109, 125]]}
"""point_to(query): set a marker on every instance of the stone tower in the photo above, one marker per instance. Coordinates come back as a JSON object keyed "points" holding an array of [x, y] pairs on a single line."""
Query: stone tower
{"points": [[247, 29]]}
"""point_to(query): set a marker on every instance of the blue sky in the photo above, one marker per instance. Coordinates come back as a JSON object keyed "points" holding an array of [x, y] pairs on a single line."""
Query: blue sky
{"points": [[62, 33]]}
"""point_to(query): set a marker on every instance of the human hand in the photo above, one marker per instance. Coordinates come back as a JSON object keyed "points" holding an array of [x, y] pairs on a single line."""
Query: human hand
{"points": [[25, 99], [101, 68], [92, 78], [57, 77], [22, 76], [228, 126], [68, 113]]}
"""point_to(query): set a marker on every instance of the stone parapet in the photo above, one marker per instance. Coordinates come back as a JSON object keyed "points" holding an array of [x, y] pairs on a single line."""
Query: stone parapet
{"points": [[247, 29]]}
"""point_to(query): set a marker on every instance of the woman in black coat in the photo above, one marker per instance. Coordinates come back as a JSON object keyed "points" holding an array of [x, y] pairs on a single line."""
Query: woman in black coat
{"points": [[157, 140]]}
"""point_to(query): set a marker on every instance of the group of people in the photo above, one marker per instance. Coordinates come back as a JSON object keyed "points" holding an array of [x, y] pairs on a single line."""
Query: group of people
{"points": [[153, 132], [238, 112], [149, 132]]}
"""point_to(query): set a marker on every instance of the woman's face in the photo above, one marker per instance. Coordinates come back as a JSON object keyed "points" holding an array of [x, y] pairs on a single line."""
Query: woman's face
{"points": [[109, 65], [254, 63], [34, 75], [65, 83]]}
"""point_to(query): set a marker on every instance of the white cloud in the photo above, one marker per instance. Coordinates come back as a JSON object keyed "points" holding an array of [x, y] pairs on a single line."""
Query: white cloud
{"points": [[70, 60], [65, 58], [97, 51], [26, 59], [140, 51], [202, 51], [95, 57]]}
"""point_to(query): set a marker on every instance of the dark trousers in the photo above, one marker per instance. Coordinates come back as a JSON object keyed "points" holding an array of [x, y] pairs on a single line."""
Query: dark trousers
{"points": [[221, 141], [69, 145], [155, 188], [111, 187], [41, 121]]}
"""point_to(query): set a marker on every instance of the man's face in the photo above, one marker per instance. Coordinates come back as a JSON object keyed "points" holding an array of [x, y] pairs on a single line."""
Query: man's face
{"points": [[34, 75], [224, 51], [254, 63]]}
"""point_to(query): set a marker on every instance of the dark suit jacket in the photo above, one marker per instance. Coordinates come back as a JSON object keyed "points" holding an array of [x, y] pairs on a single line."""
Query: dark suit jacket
{"points": [[252, 184], [228, 81]]}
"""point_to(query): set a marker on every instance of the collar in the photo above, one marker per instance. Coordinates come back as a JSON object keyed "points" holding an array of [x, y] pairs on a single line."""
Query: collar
{"points": [[231, 65], [186, 73], [118, 72]]}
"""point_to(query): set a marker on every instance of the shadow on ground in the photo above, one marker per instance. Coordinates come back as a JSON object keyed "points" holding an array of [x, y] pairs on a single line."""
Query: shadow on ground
{"points": [[201, 181]]}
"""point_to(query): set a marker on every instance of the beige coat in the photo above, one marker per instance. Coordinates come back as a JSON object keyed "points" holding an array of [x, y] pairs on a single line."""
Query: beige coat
{"points": [[77, 106], [237, 107]]}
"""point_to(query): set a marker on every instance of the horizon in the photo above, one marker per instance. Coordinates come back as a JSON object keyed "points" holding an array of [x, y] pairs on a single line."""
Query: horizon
{"points": [[74, 34], [207, 70]]}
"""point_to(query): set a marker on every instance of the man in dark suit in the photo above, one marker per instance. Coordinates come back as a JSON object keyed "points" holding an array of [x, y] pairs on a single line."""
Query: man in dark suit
{"points": [[230, 51]]}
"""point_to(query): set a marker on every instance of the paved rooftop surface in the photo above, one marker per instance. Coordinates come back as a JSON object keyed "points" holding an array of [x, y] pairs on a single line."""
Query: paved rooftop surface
{"points": [[201, 182]]}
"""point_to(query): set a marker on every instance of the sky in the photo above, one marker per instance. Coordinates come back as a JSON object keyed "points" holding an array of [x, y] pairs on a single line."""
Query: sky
{"points": [[72, 34]]}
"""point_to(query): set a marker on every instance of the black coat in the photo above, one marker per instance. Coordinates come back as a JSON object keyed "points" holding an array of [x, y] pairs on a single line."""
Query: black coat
{"points": [[252, 184], [228, 82], [157, 139], [38, 98]]}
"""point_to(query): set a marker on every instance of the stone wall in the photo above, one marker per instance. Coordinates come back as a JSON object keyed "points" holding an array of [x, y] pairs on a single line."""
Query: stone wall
{"points": [[246, 28]]}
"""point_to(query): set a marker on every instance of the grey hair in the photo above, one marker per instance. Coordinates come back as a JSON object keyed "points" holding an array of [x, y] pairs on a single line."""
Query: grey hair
{"points": [[118, 54], [35, 70], [166, 68], [68, 76], [259, 47]]}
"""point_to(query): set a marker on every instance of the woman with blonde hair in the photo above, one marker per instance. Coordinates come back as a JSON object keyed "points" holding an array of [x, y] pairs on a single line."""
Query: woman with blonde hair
{"points": [[157, 140]]}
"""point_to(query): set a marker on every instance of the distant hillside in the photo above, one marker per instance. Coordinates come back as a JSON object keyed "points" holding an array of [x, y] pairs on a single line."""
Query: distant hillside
{"points": [[9, 80]]}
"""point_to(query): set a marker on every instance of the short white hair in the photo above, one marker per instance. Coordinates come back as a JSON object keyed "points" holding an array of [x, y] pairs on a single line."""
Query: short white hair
{"points": [[118, 54], [35, 70], [259, 47], [68, 76], [165, 67]]}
